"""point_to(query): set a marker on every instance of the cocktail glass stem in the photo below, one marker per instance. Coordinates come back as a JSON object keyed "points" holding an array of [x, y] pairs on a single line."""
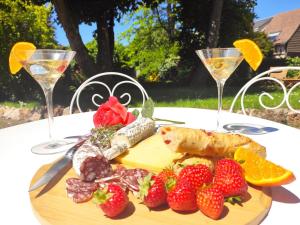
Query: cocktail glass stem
{"points": [[49, 95], [220, 86]]}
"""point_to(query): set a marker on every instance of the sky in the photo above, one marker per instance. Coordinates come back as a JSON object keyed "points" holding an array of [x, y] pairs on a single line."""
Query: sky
{"points": [[263, 9]]}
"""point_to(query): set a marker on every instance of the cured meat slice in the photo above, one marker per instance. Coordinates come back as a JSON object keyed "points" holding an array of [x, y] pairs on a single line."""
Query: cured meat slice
{"points": [[80, 191], [79, 197], [77, 185], [130, 177], [95, 167]]}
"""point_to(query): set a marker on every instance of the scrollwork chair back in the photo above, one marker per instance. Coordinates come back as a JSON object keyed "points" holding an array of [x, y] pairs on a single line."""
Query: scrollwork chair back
{"points": [[96, 80], [264, 76]]}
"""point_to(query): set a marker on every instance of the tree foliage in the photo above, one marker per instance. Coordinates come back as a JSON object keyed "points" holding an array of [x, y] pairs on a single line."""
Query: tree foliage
{"points": [[151, 52], [22, 21]]}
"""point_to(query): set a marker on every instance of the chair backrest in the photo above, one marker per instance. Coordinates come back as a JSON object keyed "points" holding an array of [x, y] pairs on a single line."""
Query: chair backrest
{"points": [[265, 76], [96, 80]]}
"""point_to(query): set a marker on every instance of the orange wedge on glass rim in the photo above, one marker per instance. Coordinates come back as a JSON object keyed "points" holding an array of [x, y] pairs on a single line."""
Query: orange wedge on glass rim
{"points": [[251, 52], [16, 55], [261, 172]]}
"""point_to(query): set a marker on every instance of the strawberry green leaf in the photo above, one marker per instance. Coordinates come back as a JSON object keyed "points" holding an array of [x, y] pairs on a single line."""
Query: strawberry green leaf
{"points": [[171, 182], [234, 200], [241, 161], [101, 196], [144, 186]]}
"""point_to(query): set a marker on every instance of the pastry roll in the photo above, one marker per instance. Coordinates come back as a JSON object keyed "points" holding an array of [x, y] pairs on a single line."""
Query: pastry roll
{"points": [[205, 143]]}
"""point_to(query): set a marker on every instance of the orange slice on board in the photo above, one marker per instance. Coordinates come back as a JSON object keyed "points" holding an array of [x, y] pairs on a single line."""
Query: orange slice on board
{"points": [[261, 172], [250, 51], [14, 61]]}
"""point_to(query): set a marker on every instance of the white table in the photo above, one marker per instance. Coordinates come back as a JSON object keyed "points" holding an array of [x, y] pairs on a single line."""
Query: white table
{"points": [[18, 164]]}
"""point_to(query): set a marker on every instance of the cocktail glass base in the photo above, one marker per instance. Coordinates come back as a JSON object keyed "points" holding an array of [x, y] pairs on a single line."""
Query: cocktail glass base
{"points": [[250, 129], [52, 147]]}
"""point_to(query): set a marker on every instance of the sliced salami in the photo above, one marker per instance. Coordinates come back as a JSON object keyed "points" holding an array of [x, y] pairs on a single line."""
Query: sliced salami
{"points": [[79, 197], [94, 168], [80, 191], [130, 177], [77, 185]]}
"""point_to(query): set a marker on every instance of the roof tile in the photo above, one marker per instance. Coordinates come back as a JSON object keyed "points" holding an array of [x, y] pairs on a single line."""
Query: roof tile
{"points": [[286, 23]]}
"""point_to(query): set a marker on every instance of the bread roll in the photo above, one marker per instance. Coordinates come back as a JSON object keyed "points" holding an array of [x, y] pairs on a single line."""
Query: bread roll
{"points": [[205, 143]]}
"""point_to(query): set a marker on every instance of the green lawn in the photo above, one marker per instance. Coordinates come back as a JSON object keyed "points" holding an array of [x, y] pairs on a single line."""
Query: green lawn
{"points": [[20, 104], [199, 98], [207, 98]]}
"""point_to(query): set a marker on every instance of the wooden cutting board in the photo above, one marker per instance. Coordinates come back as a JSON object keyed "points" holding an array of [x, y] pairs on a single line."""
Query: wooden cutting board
{"points": [[56, 208]]}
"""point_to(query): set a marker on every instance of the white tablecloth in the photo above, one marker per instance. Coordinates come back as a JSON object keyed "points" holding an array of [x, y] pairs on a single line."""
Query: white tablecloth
{"points": [[18, 164]]}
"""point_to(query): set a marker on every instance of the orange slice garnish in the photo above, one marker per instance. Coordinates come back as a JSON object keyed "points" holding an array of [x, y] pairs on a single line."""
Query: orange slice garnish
{"points": [[14, 61], [250, 51], [261, 172]]}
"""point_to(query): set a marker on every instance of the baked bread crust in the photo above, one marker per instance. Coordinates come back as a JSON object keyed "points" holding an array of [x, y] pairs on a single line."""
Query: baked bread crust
{"points": [[207, 143]]}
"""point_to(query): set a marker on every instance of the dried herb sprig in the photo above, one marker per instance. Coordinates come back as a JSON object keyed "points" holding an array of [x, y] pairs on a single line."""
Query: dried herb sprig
{"points": [[101, 136]]}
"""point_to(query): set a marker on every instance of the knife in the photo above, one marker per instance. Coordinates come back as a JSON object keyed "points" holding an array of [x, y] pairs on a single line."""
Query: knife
{"points": [[56, 171]]}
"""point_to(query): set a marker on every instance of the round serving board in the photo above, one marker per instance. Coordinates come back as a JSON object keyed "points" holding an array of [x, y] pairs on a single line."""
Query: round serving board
{"points": [[55, 208]]}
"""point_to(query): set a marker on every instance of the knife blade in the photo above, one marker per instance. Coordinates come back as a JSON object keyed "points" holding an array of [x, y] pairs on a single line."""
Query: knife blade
{"points": [[56, 171]]}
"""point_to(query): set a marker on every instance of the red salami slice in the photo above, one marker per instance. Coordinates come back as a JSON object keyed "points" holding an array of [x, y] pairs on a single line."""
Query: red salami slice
{"points": [[79, 197], [79, 190], [130, 177], [94, 168], [77, 185]]}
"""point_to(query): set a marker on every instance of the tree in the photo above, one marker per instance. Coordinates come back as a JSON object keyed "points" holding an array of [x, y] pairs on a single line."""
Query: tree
{"points": [[151, 50], [72, 13], [236, 21], [215, 21], [22, 21]]}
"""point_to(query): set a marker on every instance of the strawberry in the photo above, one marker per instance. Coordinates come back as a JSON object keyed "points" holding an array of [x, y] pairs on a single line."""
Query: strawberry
{"points": [[210, 202], [111, 199], [230, 184], [152, 191], [228, 166], [229, 178], [169, 178], [182, 197], [197, 175]]}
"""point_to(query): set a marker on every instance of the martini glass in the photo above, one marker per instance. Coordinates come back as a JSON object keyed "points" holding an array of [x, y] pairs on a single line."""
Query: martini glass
{"points": [[221, 63], [46, 66]]}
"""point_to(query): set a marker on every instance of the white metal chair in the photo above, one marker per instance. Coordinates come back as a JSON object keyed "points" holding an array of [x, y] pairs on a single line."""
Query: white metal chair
{"points": [[96, 80], [265, 76]]}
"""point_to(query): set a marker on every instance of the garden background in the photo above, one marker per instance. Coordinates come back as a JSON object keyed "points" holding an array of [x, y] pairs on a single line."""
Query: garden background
{"points": [[157, 48]]}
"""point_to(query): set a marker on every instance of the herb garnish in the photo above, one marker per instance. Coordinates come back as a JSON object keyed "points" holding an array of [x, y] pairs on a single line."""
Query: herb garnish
{"points": [[101, 136]]}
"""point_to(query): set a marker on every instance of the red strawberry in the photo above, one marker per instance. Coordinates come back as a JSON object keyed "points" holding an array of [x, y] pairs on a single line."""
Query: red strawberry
{"points": [[229, 178], [210, 201], [230, 184], [111, 199], [152, 191], [197, 175], [182, 197], [228, 166], [169, 178]]}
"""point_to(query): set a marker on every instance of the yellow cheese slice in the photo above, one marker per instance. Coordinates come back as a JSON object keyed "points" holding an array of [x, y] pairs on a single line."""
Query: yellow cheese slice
{"points": [[151, 154]]}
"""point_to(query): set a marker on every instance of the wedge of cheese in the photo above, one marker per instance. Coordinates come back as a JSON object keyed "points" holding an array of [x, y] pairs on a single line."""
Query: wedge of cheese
{"points": [[151, 154]]}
